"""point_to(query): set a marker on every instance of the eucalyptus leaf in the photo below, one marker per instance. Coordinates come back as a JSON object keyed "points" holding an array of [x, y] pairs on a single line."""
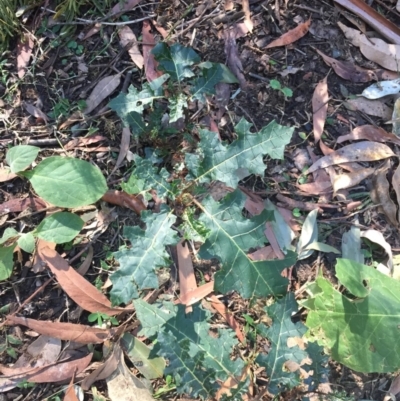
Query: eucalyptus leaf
{"points": [[67, 182], [59, 227], [21, 156], [320, 246], [309, 234]]}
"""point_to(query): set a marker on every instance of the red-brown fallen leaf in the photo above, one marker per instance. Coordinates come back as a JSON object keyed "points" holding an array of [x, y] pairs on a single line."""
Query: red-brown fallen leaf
{"points": [[128, 39], [291, 36], [92, 31], [123, 199], [18, 205], [86, 295], [150, 63], [360, 151], [196, 295], [396, 187], [264, 253], [103, 371], [24, 52], [187, 279], [70, 394], [320, 107], [84, 267], [6, 175], [354, 73], [228, 316], [370, 133], [269, 233], [382, 25], [160, 29], [84, 141], [64, 331], [306, 206]]}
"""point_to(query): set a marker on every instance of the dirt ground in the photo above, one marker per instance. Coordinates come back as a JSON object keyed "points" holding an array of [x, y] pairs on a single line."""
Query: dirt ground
{"points": [[57, 74]]}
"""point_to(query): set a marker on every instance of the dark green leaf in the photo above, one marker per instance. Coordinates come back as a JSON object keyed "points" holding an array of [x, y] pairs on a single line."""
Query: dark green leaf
{"points": [[230, 239], [244, 156], [6, 261], [136, 123], [205, 83], [175, 60], [198, 359], [138, 264], [280, 353]]}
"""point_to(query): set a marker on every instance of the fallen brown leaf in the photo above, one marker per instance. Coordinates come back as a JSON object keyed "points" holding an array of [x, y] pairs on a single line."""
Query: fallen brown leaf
{"points": [[343, 181], [228, 316], [86, 295], [371, 133], [269, 233], [247, 16], [6, 175], [320, 107], [361, 151], [123, 148], [121, 198], [306, 206], [196, 295], [24, 53], [150, 63], [128, 39], [104, 88], [374, 49], [233, 59], [316, 188], [291, 36], [84, 141], [92, 31], [380, 194], [187, 279], [70, 394], [18, 205], [35, 111], [121, 7], [64, 331], [382, 25], [264, 253], [84, 267], [375, 108], [396, 118]]}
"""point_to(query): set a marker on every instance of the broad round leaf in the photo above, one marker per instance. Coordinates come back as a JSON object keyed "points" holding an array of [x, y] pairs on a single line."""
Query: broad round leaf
{"points": [[20, 157], [6, 261], [27, 242], [67, 182], [60, 227]]}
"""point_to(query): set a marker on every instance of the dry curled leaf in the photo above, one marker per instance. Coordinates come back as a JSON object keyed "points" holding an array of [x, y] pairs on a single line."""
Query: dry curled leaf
{"points": [[128, 39], [380, 194], [348, 180], [371, 133], [291, 36], [121, 198], [376, 50], [361, 151]]}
